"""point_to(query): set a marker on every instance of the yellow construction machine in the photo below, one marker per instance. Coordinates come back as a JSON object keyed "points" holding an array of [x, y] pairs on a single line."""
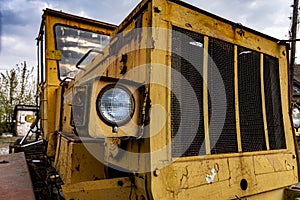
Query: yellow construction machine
{"points": [[174, 103]]}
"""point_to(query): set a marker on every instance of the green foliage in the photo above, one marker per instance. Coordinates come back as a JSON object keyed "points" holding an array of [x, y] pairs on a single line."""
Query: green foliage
{"points": [[18, 86]]}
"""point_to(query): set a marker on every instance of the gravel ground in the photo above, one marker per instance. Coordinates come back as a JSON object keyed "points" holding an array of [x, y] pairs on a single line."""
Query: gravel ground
{"points": [[5, 140]]}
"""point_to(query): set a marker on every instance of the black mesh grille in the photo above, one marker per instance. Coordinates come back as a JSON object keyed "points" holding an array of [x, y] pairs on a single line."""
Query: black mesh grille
{"points": [[273, 103], [187, 126], [222, 59], [186, 122], [250, 103]]}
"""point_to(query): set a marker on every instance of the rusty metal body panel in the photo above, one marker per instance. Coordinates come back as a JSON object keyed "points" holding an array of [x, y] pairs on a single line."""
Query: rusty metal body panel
{"points": [[15, 181], [236, 175], [75, 163], [117, 188], [143, 57]]}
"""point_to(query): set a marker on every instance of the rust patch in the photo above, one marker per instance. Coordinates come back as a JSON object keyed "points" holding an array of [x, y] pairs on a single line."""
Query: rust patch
{"points": [[15, 181]]}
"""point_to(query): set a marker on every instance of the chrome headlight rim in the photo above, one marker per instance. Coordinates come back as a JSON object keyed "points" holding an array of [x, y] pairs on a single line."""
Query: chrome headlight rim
{"points": [[100, 112]]}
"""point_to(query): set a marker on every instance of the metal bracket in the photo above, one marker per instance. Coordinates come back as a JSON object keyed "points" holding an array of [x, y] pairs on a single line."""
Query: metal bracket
{"points": [[54, 55]]}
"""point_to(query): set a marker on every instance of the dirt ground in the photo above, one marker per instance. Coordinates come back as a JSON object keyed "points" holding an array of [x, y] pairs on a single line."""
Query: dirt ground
{"points": [[5, 140]]}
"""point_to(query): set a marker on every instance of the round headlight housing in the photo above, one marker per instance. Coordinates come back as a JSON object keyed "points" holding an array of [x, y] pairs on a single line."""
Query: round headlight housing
{"points": [[115, 105]]}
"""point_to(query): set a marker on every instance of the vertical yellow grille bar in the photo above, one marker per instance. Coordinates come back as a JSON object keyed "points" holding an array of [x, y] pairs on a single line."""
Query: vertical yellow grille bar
{"points": [[205, 96], [236, 91], [263, 100]]}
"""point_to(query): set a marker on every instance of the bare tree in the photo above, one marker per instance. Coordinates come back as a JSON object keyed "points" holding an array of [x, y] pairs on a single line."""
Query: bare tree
{"points": [[17, 87]]}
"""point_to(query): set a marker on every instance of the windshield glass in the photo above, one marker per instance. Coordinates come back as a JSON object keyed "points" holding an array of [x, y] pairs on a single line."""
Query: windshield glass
{"points": [[74, 43]]}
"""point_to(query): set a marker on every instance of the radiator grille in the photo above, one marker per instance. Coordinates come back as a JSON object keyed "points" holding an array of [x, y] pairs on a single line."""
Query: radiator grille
{"points": [[250, 103], [222, 56], [273, 103], [187, 126]]}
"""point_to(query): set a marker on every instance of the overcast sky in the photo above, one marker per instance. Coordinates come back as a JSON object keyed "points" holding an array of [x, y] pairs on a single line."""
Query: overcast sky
{"points": [[20, 19]]}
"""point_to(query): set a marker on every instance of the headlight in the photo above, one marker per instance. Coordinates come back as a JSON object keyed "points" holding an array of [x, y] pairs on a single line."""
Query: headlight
{"points": [[115, 105], [296, 117]]}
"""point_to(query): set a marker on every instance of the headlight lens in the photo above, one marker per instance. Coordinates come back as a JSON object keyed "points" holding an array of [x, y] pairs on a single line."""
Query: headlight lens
{"points": [[296, 118], [115, 105]]}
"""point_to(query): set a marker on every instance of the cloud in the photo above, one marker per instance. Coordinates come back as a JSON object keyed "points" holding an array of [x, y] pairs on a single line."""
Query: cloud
{"points": [[21, 19], [20, 16], [256, 14], [104, 10], [19, 23], [17, 50], [12, 19]]}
